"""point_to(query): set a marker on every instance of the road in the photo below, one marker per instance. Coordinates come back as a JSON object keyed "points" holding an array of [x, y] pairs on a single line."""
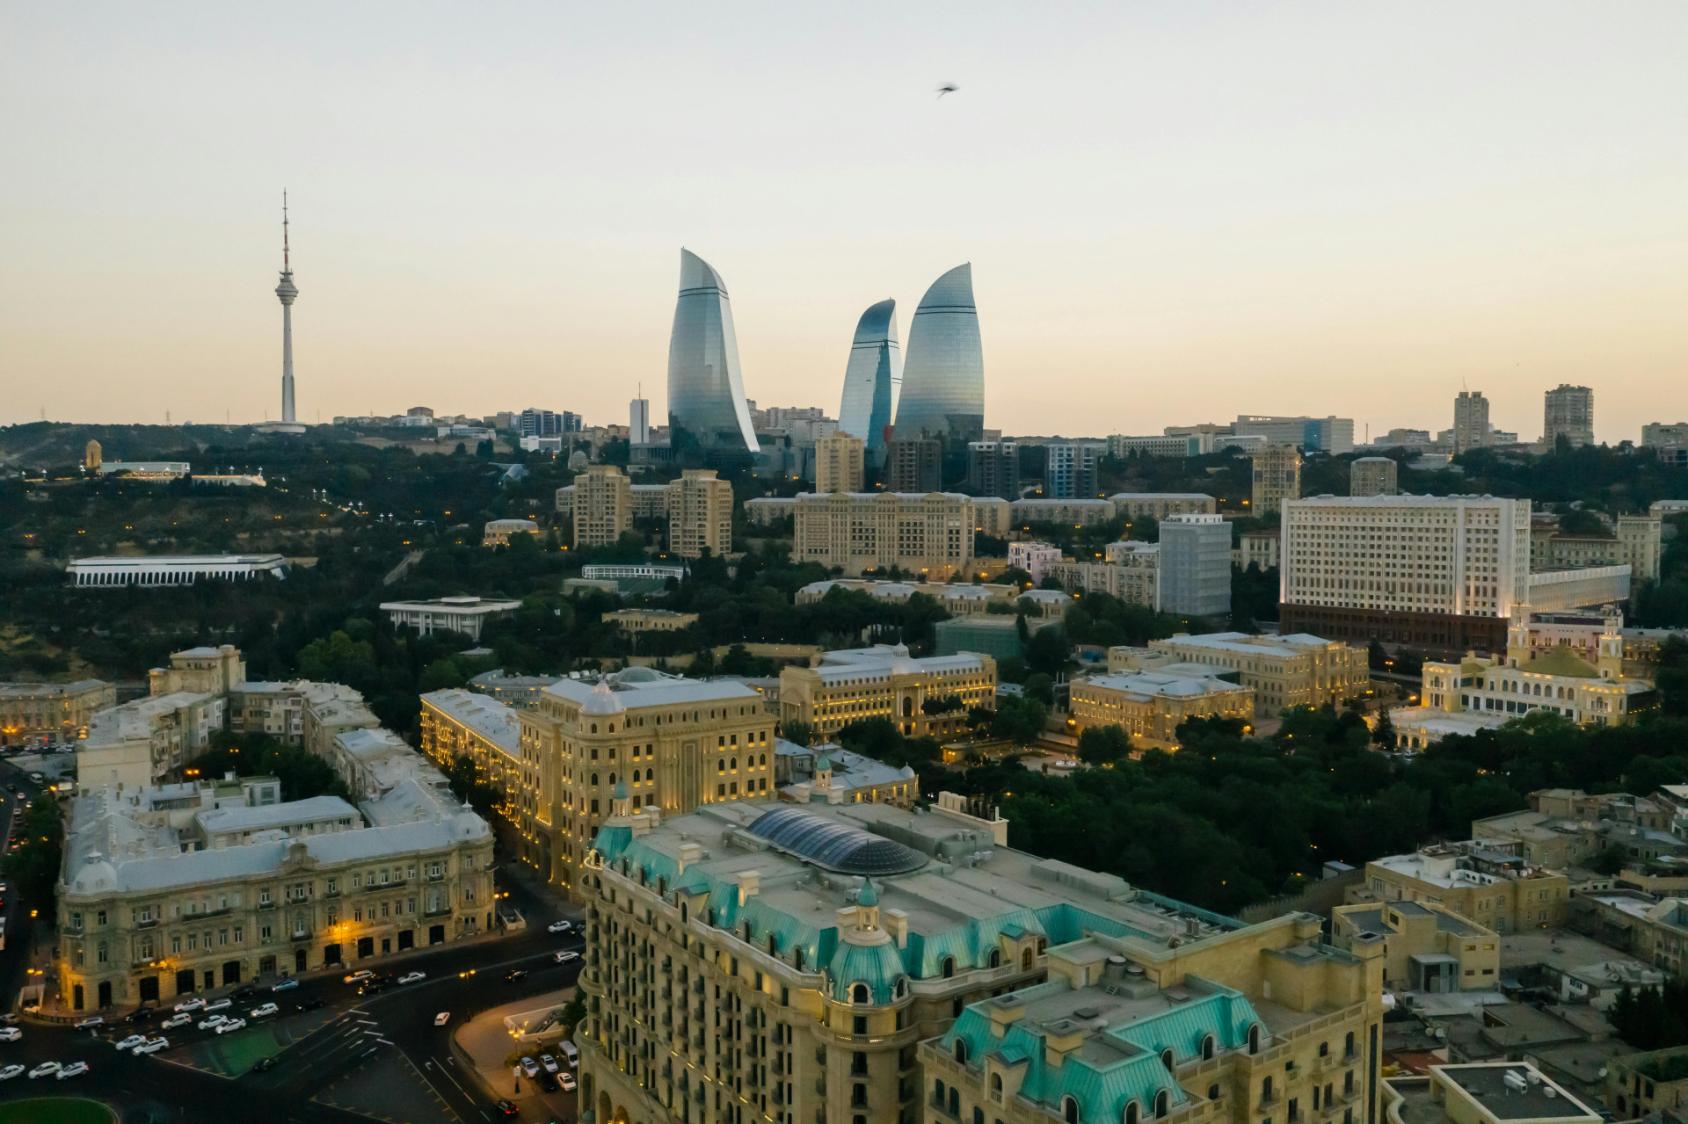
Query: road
{"points": [[386, 1041]]}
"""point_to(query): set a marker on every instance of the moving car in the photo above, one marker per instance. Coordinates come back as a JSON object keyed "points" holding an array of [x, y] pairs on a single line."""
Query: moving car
{"points": [[175, 1021], [559, 927], [74, 1069], [213, 1022], [310, 1004], [566, 955], [507, 1109], [358, 976], [10, 1072], [530, 1068], [285, 985], [566, 1080], [10, 1034], [263, 1011], [515, 975], [244, 991], [45, 1069], [131, 1042], [193, 1004], [549, 1063], [442, 1018], [230, 1025], [412, 977], [153, 1045], [90, 1021], [264, 1064], [219, 1005]]}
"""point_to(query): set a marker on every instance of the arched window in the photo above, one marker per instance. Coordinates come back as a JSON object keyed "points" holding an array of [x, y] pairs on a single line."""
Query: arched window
{"points": [[1166, 1058], [797, 957], [949, 967], [1265, 1089], [720, 765], [1069, 1110], [996, 1086], [1131, 1111], [859, 993], [594, 727], [733, 764], [594, 780], [1210, 1046], [1163, 1103], [960, 1050], [996, 957], [650, 774], [954, 1102], [900, 988], [908, 708], [1213, 1092], [1254, 1039], [938, 1092], [1348, 1045]]}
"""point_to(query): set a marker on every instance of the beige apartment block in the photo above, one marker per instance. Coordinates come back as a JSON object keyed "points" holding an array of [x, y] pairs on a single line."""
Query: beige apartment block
{"points": [[138, 743], [59, 710], [456, 723], [1373, 476], [925, 697], [1158, 505], [1497, 1092], [1649, 1086], [203, 670], [767, 962], [1426, 947], [1260, 549], [1277, 477], [1637, 542], [700, 514], [929, 534], [840, 463], [1151, 705], [602, 506], [1487, 882], [1282, 671], [676, 744]]}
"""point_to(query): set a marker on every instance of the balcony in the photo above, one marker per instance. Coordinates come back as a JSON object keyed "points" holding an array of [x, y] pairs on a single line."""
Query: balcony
{"points": [[331, 892], [436, 876], [151, 922], [267, 905], [437, 911], [300, 935]]}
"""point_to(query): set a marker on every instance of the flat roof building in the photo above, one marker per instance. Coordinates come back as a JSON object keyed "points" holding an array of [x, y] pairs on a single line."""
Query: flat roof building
{"points": [[927, 534], [1282, 671], [466, 614], [57, 710], [1151, 705], [924, 697], [155, 570]]}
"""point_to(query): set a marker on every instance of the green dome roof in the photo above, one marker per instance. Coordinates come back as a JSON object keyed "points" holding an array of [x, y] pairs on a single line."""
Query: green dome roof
{"points": [[878, 966]]}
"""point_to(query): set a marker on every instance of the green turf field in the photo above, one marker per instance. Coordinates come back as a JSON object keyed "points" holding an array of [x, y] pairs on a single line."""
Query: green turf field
{"points": [[55, 1110]]}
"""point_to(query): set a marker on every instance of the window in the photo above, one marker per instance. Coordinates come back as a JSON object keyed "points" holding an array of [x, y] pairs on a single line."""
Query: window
{"points": [[1069, 1110], [1163, 1103]]}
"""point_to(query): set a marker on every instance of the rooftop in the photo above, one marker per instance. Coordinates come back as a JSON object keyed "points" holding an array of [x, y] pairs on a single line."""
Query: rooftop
{"points": [[483, 714], [1539, 1099], [643, 686], [1288, 647], [133, 721], [1174, 681]]}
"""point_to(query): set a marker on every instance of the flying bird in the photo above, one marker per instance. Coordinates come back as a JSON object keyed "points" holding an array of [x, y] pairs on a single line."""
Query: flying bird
{"points": [[947, 88]]}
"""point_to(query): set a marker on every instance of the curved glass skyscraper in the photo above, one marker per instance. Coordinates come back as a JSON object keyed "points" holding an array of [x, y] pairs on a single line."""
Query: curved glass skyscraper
{"points": [[876, 362], [944, 375], [705, 392]]}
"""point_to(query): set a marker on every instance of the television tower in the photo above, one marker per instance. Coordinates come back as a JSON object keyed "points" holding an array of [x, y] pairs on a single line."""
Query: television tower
{"points": [[287, 293]]}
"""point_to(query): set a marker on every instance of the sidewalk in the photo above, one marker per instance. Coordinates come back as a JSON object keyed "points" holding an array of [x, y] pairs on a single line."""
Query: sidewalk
{"points": [[485, 1042]]}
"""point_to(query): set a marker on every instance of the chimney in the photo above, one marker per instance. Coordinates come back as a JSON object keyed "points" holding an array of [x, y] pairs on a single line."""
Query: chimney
{"points": [[691, 851], [749, 881], [895, 922]]}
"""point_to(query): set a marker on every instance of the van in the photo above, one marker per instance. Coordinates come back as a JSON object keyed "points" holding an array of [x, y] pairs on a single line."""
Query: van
{"points": [[570, 1052]]}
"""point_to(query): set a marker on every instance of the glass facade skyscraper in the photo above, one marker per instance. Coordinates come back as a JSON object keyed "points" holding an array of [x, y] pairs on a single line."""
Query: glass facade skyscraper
{"points": [[944, 375], [876, 362], [705, 390]]}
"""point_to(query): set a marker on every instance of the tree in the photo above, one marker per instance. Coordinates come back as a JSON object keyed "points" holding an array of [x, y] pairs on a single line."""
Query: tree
{"points": [[1383, 734], [1104, 745], [798, 732], [439, 675], [1048, 650], [1040, 687], [1019, 719]]}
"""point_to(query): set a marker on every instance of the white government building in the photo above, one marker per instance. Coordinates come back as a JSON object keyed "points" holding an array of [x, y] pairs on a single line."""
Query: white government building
{"points": [[447, 614], [173, 569]]}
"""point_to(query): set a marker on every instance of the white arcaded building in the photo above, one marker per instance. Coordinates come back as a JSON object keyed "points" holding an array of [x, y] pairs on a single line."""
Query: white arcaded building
{"points": [[173, 569]]}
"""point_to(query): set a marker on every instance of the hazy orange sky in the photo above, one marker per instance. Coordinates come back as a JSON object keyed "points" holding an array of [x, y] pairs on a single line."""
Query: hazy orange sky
{"points": [[1176, 212]]}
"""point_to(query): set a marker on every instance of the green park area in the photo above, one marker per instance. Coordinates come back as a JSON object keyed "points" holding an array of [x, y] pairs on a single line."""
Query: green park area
{"points": [[55, 1110]]}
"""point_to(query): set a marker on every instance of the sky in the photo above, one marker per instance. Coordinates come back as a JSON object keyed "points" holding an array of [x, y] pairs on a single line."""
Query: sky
{"points": [[1176, 212]]}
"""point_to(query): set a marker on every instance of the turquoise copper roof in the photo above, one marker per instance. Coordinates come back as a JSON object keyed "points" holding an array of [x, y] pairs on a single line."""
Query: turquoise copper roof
{"points": [[877, 965]]}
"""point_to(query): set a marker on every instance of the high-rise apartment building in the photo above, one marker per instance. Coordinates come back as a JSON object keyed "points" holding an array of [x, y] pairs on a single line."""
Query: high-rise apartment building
{"points": [[640, 736], [1070, 472], [1439, 572], [1195, 565], [914, 464], [639, 421], [534, 422], [840, 463], [875, 366], [1667, 440], [929, 534], [603, 505], [927, 697], [778, 962], [1569, 413], [700, 514], [706, 402], [1471, 421], [1373, 476], [993, 469], [1311, 435], [1277, 477]]}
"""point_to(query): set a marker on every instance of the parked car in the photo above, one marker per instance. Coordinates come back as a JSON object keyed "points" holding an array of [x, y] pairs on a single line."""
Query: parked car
{"points": [[193, 1004], [285, 985], [175, 1021], [507, 1109], [90, 1022], [547, 1081], [559, 927], [213, 1022], [549, 1063], [10, 1072], [567, 1081], [530, 1068], [153, 1045], [131, 1042], [358, 976], [566, 955], [45, 1069], [263, 1011], [74, 1069], [10, 1034], [442, 1018], [219, 1005], [231, 1025], [412, 977]]}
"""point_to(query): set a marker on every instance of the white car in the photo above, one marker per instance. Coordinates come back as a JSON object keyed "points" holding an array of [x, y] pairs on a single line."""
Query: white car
{"points": [[565, 1081], [218, 1005], [442, 1018], [566, 955], [10, 1034], [412, 977], [45, 1069], [89, 1022], [559, 927], [213, 1022], [358, 976], [175, 1021], [549, 1063], [530, 1068], [10, 1072], [230, 1025], [74, 1069], [152, 1045], [262, 1011], [131, 1042], [193, 1004]]}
